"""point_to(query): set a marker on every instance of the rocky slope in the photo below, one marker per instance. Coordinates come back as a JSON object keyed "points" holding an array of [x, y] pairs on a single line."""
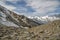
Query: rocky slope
{"points": [[49, 31], [10, 18]]}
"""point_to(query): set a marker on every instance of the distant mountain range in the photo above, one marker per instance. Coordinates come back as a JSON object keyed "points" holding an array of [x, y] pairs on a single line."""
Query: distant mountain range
{"points": [[45, 19], [10, 18]]}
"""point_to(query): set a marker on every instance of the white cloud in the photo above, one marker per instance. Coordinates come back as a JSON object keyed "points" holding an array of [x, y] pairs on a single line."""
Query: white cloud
{"points": [[10, 7], [43, 6], [3, 0], [13, 1], [10, 0]]}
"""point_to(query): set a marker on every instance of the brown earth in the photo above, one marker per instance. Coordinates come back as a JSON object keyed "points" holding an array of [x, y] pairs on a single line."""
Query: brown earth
{"points": [[50, 31]]}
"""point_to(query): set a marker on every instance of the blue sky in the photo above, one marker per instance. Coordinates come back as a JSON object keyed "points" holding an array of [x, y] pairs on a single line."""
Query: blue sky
{"points": [[33, 7]]}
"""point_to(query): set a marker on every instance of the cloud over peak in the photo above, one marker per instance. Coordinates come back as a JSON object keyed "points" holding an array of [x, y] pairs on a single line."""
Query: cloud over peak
{"points": [[43, 6], [34, 7]]}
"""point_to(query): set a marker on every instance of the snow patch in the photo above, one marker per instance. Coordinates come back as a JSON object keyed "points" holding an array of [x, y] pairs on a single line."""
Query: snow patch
{"points": [[44, 18], [8, 23]]}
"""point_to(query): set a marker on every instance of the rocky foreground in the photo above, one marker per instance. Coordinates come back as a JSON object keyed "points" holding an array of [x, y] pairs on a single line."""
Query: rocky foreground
{"points": [[50, 31]]}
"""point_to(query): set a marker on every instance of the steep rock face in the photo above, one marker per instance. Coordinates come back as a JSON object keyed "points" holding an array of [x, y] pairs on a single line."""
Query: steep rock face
{"points": [[10, 18]]}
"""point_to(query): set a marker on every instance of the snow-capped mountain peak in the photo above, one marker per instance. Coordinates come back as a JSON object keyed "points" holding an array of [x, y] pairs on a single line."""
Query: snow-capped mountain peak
{"points": [[44, 19]]}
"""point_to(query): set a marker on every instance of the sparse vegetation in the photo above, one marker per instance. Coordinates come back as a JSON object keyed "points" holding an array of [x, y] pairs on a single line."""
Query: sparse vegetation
{"points": [[50, 31]]}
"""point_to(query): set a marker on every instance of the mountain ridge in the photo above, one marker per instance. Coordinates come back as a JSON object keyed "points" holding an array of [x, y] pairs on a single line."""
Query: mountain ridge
{"points": [[44, 19], [19, 20]]}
